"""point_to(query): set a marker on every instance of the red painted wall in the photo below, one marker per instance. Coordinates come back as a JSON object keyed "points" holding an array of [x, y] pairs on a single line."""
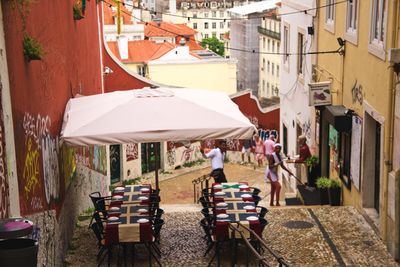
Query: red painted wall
{"points": [[40, 90], [120, 79], [262, 120]]}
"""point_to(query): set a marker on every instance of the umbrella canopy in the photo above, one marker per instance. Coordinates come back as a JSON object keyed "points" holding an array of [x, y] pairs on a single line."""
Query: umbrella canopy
{"points": [[153, 115]]}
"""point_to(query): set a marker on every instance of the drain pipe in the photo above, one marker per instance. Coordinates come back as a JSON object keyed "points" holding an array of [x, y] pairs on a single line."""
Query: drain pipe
{"points": [[391, 110]]}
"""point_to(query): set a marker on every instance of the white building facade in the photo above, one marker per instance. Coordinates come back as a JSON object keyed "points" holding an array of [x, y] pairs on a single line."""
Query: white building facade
{"points": [[209, 18], [296, 73], [270, 39]]}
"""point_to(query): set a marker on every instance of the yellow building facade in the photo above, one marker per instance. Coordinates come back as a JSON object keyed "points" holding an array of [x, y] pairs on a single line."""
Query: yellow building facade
{"points": [[362, 86], [218, 75]]}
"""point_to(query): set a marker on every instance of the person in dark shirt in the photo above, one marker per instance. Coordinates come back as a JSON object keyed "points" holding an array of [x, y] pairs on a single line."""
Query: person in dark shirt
{"points": [[248, 145], [304, 150]]}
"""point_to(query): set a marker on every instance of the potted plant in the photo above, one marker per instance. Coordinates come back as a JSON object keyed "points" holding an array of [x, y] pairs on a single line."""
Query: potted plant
{"points": [[334, 193], [323, 184], [32, 48], [312, 166], [77, 11]]}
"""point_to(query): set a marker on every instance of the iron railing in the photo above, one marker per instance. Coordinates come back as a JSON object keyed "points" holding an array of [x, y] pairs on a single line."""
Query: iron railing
{"points": [[261, 260], [272, 34], [198, 185]]}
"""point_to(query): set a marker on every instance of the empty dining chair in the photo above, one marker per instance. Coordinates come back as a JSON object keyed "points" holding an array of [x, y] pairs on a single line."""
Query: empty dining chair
{"points": [[256, 191], [261, 211], [205, 203], [104, 250], [256, 199]]}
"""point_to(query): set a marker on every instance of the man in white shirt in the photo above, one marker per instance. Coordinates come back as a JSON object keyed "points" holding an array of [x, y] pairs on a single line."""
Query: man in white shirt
{"points": [[217, 156]]}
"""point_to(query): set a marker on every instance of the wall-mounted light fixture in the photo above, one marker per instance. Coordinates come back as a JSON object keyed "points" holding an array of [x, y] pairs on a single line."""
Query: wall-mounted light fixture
{"points": [[107, 70], [342, 44]]}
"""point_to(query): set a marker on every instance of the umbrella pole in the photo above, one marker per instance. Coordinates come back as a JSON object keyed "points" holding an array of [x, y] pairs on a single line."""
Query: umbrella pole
{"points": [[156, 168]]}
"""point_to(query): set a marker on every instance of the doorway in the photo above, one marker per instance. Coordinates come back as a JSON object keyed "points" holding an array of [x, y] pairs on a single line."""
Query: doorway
{"points": [[149, 161], [115, 163], [372, 153]]}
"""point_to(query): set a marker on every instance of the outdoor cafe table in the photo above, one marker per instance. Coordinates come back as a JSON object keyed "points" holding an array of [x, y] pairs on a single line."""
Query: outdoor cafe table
{"points": [[129, 228], [222, 230], [231, 187], [131, 194], [225, 196], [224, 207], [132, 190]]}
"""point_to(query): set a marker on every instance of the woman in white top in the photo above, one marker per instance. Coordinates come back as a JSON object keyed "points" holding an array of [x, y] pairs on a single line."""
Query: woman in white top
{"points": [[271, 173], [217, 156]]}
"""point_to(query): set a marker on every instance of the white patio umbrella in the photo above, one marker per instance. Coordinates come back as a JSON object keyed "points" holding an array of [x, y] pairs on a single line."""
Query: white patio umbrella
{"points": [[153, 115]]}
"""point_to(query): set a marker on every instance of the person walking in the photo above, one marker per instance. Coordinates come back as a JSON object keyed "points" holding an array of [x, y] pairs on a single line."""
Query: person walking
{"points": [[259, 150], [271, 173], [248, 145], [269, 145], [217, 156]]}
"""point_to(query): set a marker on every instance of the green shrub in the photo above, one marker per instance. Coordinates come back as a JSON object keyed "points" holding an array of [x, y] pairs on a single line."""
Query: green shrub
{"points": [[132, 181], [323, 182], [312, 161], [32, 48], [334, 184]]}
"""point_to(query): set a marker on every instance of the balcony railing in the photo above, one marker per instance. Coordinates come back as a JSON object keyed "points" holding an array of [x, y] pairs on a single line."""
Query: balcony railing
{"points": [[272, 34]]}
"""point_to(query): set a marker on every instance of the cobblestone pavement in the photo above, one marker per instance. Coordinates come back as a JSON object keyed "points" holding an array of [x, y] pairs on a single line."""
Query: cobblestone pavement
{"points": [[355, 243], [339, 236]]}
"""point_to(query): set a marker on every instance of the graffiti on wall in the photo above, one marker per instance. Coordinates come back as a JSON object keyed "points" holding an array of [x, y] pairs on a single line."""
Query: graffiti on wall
{"points": [[171, 154], [36, 128], [233, 144], [4, 194], [253, 120], [307, 129], [93, 157], [99, 159], [31, 173], [132, 151], [68, 164], [51, 169], [357, 93]]}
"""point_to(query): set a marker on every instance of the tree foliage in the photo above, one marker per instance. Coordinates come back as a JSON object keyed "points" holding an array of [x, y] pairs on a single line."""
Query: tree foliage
{"points": [[214, 45]]}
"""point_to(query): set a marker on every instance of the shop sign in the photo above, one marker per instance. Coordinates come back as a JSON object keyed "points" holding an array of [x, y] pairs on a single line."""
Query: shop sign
{"points": [[320, 94]]}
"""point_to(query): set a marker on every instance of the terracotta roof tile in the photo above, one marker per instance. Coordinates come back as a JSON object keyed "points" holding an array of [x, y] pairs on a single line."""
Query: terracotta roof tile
{"points": [[142, 51]]}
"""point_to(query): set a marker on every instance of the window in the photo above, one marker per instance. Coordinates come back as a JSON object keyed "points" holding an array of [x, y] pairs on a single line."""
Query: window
{"points": [[214, 35], [273, 46], [221, 14], [284, 139], [221, 25], [195, 25], [214, 25], [205, 25], [269, 45], [194, 15], [206, 35], [268, 66], [214, 14], [263, 64], [286, 43], [330, 12], [378, 21], [221, 36], [229, 24], [351, 20], [263, 43], [378, 28], [268, 89], [206, 14], [141, 70], [278, 46], [263, 86], [277, 70], [345, 152], [300, 56], [273, 68]]}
